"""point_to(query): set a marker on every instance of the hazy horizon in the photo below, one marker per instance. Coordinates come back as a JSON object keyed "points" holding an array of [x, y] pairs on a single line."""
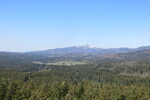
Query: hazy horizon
{"points": [[30, 25], [76, 46]]}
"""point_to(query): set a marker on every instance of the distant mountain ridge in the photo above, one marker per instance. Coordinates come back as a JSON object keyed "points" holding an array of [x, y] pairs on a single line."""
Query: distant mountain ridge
{"points": [[87, 49], [77, 53]]}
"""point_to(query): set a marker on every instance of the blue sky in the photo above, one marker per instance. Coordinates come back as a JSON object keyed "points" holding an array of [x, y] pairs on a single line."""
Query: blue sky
{"points": [[28, 25]]}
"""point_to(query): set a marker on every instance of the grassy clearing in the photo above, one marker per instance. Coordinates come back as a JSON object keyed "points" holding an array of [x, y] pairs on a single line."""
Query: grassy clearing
{"points": [[63, 63], [68, 63]]}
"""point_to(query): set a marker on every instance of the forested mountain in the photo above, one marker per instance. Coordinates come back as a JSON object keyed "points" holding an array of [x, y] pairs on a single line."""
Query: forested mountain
{"points": [[137, 55], [83, 54]]}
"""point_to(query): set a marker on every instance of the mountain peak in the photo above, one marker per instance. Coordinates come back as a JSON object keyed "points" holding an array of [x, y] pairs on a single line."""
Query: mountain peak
{"points": [[87, 46]]}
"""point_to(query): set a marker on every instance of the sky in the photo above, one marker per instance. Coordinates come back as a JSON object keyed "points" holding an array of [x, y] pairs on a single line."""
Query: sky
{"points": [[29, 25]]}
